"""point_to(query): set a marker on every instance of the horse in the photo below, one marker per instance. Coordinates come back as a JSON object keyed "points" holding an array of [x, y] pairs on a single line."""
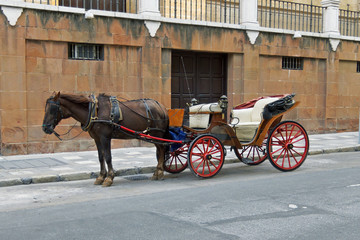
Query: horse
{"points": [[101, 117]]}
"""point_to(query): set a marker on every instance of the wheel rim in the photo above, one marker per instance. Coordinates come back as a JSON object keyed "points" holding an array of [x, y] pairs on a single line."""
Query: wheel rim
{"points": [[288, 146], [206, 156], [253, 155], [176, 161]]}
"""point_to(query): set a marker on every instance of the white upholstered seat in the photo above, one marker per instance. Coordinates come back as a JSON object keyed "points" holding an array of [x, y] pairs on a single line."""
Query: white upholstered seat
{"points": [[246, 121]]}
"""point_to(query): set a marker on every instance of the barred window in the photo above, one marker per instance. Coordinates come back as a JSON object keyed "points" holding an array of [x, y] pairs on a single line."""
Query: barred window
{"points": [[86, 51], [292, 63], [358, 67]]}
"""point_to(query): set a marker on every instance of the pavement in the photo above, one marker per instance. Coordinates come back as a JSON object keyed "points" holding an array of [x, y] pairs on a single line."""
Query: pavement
{"points": [[70, 166]]}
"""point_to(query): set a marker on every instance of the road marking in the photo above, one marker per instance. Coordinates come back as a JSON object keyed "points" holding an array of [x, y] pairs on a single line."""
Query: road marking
{"points": [[293, 206], [354, 185]]}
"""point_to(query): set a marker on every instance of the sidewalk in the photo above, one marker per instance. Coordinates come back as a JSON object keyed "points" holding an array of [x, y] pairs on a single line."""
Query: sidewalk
{"points": [[41, 168]]}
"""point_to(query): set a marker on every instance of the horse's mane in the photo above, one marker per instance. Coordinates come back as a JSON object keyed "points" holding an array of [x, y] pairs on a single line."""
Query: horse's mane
{"points": [[76, 98]]}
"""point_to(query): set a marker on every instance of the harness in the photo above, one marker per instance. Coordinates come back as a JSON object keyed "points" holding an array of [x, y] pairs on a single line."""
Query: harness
{"points": [[115, 117], [93, 109], [115, 114]]}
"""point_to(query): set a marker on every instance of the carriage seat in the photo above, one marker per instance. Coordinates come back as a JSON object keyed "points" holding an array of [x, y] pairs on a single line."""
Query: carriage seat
{"points": [[199, 115], [246, 121]]}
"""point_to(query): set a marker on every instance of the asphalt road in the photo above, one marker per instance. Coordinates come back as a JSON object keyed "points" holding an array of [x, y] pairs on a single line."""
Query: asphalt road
{"points": [[320, 200]]}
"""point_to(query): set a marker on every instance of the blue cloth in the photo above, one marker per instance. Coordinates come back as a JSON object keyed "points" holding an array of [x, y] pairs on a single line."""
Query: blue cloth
{"points": [[176, 134]]}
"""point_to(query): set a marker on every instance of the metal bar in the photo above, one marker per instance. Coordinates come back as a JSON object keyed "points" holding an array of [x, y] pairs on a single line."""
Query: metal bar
{"points": [[191, 7], [270, 14], [266, 13], [225, 14], [196, 6], [175, 9], [311, 16]]}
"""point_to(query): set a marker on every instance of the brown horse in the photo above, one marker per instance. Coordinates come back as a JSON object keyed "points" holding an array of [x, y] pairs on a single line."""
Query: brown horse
{"points": [[97, 116]]}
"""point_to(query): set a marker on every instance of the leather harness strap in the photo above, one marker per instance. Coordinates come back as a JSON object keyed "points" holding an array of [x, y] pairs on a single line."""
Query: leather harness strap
{"points": [[115, 114], [93, 107]]}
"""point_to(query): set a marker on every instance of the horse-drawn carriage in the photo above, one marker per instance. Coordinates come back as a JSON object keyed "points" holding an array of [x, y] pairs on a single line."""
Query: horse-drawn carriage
{"points": [[255, 131]]}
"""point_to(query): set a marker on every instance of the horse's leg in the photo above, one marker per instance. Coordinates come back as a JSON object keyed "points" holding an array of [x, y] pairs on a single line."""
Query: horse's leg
{"points": [[106, 143], [160, 155], [100, 179]]}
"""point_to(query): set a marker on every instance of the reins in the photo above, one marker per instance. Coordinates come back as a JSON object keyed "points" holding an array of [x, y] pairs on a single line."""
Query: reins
{"points": [[68, 132]]}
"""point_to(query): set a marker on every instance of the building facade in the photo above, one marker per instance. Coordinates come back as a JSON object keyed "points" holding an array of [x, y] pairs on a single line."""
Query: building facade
{"points": [[172, 51]]}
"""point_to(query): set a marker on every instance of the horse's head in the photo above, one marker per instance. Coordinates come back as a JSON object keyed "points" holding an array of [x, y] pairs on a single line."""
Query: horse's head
{"points": [[53, 114]]}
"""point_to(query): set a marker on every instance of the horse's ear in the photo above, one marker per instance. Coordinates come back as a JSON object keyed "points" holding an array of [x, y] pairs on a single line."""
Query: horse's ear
{"points": [[57, 95]]}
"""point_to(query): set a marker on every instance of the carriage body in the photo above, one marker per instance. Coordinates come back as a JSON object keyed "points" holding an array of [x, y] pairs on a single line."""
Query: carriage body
{"points": [[254, 132]]}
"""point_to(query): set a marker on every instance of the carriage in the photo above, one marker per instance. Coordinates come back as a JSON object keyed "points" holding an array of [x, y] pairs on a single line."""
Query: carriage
{"points": [[254, 132]]}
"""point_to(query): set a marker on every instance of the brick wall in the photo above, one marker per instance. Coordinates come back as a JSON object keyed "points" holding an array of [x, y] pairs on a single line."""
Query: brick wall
{"points": [[35, 63]]}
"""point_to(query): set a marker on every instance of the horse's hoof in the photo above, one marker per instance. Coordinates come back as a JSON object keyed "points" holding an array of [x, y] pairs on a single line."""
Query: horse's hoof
{"points": [[158, 175], [108, 182], [99, 181]]}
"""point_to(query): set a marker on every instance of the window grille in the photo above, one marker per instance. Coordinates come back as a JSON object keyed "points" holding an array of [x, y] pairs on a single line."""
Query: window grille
{"points": [[292, 63], [86, 51], [358, 67]]}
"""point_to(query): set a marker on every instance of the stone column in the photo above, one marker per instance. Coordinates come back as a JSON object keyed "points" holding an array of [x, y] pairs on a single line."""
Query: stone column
{"points": [[248, 11], [331, 16], [331, 21], [150, 9], [248, 17]]}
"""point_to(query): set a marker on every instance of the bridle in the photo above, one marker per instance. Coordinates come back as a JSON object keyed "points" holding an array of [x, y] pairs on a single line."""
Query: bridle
{"points": [[56, 112]]}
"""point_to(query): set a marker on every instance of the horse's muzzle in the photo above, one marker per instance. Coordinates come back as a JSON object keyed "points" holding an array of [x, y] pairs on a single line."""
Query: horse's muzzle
{"points": [[47, 128]]}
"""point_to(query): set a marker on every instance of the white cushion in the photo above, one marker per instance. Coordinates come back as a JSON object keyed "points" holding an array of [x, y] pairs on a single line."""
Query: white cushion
{"points": [[241, 115], [210, 107], [259, 108], [199, 120]]}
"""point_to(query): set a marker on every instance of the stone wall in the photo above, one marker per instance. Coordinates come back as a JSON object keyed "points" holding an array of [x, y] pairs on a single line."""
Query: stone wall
{"points": [[35, 63]]}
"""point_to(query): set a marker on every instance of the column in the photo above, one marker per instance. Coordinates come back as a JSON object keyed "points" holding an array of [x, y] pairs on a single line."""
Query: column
{"points": [[248, 17], [331, 21]]}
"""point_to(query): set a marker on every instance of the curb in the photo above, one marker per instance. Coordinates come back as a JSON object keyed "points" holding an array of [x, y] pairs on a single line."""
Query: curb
{"points": [[131, 171]]}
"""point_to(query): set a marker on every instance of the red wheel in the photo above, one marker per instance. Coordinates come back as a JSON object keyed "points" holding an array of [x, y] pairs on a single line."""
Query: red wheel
{"points": [[288, 146], [206, 156], [251, 155], [176, 161]]}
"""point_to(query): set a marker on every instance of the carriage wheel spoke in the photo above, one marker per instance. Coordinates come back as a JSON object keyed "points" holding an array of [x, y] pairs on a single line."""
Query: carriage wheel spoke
{"points": [[288, 146]]}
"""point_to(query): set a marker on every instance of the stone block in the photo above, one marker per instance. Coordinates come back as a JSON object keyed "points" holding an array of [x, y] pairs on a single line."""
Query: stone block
{"points": [[12, 100], [11, 118], [12, 81], [13, 134], [39, 82], [12, 63], [62, 82], [8, 149]]}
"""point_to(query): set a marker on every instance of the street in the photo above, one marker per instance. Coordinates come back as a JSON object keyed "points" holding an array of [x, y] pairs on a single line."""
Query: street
{"points": [[320, 200]]}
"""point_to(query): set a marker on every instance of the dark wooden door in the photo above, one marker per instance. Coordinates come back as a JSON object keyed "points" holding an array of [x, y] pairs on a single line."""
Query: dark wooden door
{"points": [[197, 75]]}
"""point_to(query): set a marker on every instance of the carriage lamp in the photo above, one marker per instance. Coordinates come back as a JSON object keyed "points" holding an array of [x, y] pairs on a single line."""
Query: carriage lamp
{"points": [[223, 102], [194, 101]]}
